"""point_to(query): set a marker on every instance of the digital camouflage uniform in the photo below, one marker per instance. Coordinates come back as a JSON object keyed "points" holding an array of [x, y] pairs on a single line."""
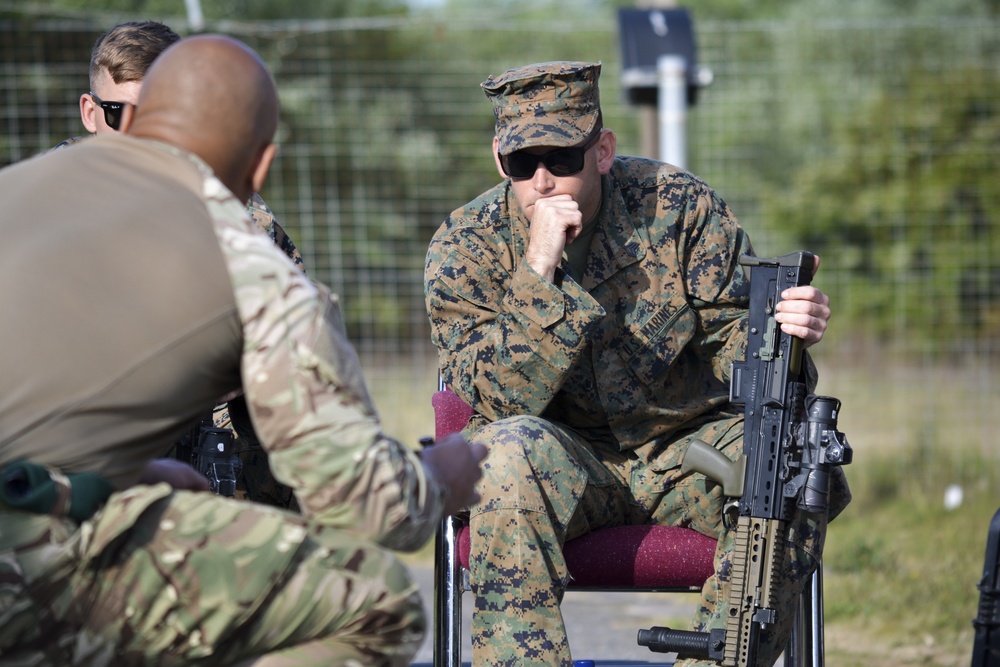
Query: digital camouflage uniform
{"points": [[165, 577], [255, 480], [588, 390]]}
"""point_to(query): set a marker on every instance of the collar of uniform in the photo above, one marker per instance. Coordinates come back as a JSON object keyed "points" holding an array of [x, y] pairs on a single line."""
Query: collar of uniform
{"points": [[518, 222]]}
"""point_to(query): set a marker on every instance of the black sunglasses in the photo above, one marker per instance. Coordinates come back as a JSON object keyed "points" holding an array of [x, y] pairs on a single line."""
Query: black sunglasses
{"points": [[112, 111], [561, 162]]}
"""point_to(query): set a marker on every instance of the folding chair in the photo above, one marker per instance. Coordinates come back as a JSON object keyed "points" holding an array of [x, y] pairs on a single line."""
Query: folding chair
{"points": [[622, 558]]}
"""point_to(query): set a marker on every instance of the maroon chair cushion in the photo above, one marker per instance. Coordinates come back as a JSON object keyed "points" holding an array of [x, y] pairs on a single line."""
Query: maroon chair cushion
{"points": [[631, 557], [619, 557], [451, 413]]}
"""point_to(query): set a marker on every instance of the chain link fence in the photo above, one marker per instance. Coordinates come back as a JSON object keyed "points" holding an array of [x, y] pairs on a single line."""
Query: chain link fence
{"points": [[844, 138]]}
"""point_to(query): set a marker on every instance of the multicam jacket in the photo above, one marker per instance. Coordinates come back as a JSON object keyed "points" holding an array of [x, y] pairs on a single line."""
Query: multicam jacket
{"points": [[640, 349], [255, 480]]}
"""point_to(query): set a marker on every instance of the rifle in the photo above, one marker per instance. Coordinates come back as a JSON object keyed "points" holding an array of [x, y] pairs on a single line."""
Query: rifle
{"points": [[790, 443], [986, 647], [210, 451]]}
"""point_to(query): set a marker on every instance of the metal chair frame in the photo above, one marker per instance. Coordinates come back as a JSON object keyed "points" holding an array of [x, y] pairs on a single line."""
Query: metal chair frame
{"points": [[805, 646]]}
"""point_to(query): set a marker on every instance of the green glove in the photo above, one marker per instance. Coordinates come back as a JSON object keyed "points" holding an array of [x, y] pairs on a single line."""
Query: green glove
{"points": [[29, 486]]}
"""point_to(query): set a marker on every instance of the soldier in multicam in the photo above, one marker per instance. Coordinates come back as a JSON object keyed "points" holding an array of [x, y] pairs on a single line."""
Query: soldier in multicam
{"points": [[588, 308], [164, 573], [118, 63]]}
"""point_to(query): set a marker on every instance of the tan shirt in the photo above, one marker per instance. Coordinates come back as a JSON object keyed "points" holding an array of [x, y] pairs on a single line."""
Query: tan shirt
{"points": [[158, 297], [119, 322]]}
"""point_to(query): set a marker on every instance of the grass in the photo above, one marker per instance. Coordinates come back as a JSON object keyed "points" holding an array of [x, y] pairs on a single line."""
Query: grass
{"points": [[900, 570], [401, 390]]}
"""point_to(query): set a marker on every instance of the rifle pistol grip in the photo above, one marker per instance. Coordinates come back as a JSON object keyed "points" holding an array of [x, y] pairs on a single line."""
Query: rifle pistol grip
{"points": [[709, 461]]}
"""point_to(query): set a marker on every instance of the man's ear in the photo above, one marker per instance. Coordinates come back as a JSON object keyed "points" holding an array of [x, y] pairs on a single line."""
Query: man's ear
{"points": [[496, 158], [263, 166], [128, 114], [88, 112], [606, 147]]}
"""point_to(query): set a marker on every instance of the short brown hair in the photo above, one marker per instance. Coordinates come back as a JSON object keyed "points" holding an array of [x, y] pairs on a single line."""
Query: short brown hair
{"points": [[128, 49]]}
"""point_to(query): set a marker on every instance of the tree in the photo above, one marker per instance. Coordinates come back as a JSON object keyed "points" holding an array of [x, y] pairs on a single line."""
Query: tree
{"points": [[907, 206]]}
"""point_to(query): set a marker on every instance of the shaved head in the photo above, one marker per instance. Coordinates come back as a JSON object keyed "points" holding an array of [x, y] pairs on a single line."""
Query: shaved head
{"points": [[213, 96]]}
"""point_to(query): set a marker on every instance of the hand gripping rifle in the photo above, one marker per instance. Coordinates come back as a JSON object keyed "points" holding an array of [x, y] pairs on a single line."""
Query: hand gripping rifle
{"points": [[790, 442]]}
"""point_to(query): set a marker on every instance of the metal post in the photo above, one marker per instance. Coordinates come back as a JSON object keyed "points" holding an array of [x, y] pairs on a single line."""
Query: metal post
{"points": [[448, 590], [196, 20], [649, 131], [671, 73], [805, 645]]}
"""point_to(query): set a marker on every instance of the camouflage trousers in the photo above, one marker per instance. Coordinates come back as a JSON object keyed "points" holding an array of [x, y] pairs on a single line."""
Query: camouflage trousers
{"points": [[544, 483], [163, 577]]}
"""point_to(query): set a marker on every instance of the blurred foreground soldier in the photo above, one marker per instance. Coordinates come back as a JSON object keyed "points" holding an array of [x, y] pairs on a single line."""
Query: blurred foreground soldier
{"points": [[110, 556], [589, 308], [118, 64]]}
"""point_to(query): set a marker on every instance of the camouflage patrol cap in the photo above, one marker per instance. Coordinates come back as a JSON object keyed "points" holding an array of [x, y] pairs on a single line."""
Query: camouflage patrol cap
{"points": [[545, 104]]}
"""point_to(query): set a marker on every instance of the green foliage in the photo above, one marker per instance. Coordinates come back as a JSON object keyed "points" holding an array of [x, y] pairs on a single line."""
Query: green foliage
{"points": [[872, 146], [300, 9], [368, 107], [826, 9], [236, 10], [906, 204]]}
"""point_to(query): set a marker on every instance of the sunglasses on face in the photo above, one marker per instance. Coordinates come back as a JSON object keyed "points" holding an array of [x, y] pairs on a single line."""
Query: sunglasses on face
{"points": [[561, 162], [112, 111]]}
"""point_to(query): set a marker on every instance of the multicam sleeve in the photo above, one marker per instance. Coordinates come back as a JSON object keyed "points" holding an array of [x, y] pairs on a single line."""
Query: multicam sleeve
{"points": [[506, 336], [309, 403]]}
